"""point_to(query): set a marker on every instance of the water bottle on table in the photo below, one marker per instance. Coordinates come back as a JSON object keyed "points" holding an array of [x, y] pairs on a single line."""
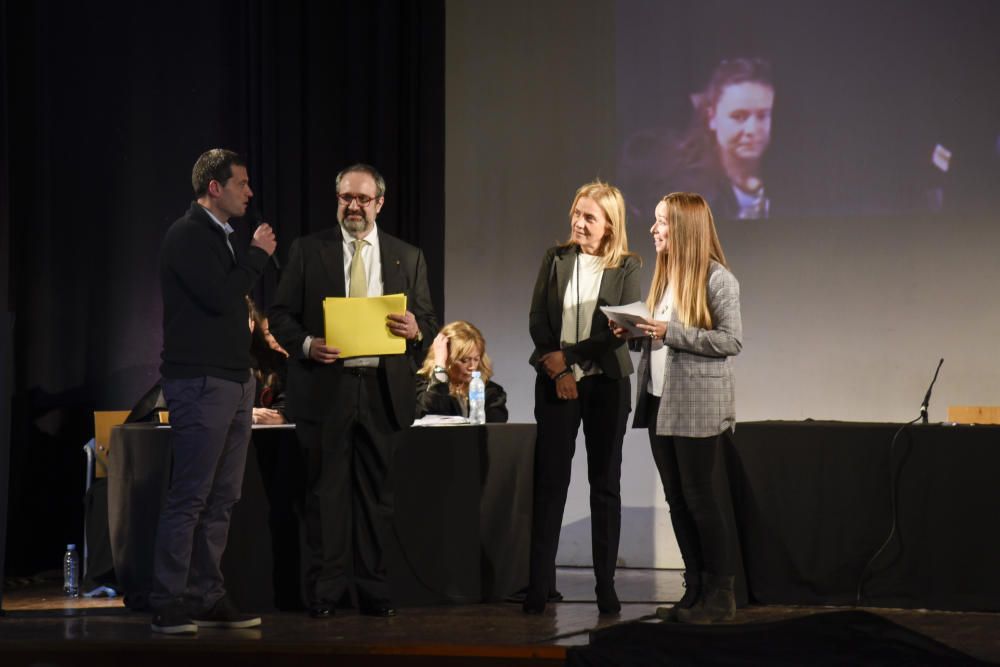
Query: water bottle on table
{"points": [[477, 399], [71, 571]]}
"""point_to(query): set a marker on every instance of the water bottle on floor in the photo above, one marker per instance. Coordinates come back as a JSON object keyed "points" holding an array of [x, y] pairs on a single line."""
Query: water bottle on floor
{"points": [[477, 399], [71, 571]]}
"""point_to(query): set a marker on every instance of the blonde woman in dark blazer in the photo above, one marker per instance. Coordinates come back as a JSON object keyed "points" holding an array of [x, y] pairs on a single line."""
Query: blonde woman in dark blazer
{"points": [[685, 394], [582, 377]]}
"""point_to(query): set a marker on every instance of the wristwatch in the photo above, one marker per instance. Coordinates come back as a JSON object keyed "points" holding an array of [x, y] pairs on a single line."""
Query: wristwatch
{"points": [[440, 369]]}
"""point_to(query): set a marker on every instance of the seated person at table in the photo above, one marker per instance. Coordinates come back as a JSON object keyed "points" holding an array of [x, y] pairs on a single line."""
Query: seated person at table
{"points": [[443, 382], [268, 360]]}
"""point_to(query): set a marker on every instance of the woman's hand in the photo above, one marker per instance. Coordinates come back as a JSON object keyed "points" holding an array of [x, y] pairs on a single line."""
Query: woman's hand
{"points": [[566, 387], [267, 416], [653, 328], [619, 332], [440, 347], [554, 363]]}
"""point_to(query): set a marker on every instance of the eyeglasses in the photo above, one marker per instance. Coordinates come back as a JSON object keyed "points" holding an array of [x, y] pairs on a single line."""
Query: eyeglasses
{"points": [[363, 200]]}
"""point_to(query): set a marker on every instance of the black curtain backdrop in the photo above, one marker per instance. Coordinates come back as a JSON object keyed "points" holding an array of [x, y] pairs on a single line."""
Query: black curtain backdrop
{"points": [[106, 107]]}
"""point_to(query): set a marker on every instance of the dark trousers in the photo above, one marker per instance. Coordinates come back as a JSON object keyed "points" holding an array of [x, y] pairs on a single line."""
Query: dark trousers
{"points": [[691, 484], [602, 405], [210, 422], [348, 506]]}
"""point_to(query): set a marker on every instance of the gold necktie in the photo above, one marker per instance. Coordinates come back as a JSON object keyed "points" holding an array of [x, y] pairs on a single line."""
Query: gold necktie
{"points": [[359, 281]]}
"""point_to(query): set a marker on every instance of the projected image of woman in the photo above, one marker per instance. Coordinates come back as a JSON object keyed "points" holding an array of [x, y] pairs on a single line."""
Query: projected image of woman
{"points": [[722, 154], [582, 377], [685, 396]]}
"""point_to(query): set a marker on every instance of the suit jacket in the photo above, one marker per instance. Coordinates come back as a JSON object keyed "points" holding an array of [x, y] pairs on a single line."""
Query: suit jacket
{"points": [[699, 397], [619, 286], [314, 271]]}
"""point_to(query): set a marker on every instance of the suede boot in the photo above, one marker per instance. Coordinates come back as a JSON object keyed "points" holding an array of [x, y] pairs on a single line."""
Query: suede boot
{"points": [[692, 592], [717, 603]]}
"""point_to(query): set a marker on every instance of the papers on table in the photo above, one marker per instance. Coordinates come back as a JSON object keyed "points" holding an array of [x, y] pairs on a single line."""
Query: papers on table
{"points": [[357, 326], [628, 316], [441, 420]]}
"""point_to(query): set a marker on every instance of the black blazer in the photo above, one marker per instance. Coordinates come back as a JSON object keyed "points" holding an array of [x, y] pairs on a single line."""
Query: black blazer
{"points": [[619, 286], [434, 399], [314, 271]]}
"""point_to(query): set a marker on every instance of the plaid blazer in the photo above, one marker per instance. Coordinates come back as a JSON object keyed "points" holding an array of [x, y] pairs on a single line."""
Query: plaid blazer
{"points": [[698, 387]]}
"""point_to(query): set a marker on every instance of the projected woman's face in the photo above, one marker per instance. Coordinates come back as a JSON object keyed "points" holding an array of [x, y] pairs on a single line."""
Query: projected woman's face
{"points": [[661, 229], [741, 119]]}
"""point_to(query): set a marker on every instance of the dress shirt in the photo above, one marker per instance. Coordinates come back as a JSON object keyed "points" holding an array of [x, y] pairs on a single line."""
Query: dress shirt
{"points": [[225, 228]]}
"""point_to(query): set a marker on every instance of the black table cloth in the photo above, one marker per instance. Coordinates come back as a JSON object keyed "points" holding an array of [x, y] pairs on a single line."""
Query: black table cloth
{"points": [[461, 528], [813, 505]]}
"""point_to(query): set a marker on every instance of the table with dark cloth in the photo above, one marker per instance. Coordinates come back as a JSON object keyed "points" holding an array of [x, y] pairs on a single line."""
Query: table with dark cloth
{"points": [[461, 527], [813, 505]]}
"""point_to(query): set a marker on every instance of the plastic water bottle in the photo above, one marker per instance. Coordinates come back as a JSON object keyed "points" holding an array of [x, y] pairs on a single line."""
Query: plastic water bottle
{"points": [[477, 399], [71, 571]]}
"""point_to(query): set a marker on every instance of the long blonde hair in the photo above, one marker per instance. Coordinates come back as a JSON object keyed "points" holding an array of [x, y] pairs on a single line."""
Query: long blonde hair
{"points": [[614, 245], [694, 245], [463, 339]]}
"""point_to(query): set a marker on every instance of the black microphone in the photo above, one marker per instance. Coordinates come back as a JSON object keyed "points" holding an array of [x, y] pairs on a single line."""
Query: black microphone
{"points": [[927, 398], [257, 221]]}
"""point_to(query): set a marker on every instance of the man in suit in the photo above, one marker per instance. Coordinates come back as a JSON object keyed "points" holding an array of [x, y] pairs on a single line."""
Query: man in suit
{"points": [[209, 393], [348, 411]]}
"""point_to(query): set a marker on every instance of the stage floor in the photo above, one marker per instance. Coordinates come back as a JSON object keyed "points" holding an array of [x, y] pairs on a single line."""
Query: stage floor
{"points": [[41, 626]]}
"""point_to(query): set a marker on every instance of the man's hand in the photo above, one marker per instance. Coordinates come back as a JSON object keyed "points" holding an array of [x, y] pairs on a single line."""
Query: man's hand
{"points": [[267, 416], [554, 363], [263, 238], [320, 353], [404, 326], [566, 387]]}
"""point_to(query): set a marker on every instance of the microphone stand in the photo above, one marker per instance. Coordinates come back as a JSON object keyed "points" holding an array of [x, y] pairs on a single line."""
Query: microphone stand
{"points": [[893, 509], [927, 397]]}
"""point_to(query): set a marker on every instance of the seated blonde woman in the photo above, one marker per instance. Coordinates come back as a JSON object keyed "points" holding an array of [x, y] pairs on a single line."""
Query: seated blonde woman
{"points": [[443, 382]]}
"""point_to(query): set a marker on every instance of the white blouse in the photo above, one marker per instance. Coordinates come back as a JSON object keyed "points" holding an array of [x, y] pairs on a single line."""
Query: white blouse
{"points": [[579, 304], [658, 349]]}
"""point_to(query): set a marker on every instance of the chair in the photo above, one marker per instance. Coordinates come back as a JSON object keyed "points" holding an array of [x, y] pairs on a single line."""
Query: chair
{"points": [[96, 451]]}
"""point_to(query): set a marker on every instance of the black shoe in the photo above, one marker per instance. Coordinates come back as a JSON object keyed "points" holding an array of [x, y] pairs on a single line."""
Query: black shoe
{"points": [[224, 614], [519, 596], [173, 620], [381, 610], [533, 603], [321, 610], [607, 602]]}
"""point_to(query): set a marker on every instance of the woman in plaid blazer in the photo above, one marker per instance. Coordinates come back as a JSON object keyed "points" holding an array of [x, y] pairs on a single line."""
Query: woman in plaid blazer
{"points": [[685, 394]]}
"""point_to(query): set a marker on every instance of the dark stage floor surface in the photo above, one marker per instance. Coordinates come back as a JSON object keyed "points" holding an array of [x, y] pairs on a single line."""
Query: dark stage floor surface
{"points": [[41, 627]]}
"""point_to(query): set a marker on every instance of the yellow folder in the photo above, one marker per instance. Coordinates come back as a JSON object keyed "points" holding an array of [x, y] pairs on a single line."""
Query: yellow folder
{"points": [[357, 326]]}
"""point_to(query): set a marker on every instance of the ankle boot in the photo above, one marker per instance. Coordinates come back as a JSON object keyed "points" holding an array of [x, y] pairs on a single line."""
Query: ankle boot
{"points": [[607, 600], [692, 592], [717, 603]]}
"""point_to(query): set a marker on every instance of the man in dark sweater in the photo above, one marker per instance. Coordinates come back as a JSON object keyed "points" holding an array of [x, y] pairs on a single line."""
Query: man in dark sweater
{"points": [[209, 393]]}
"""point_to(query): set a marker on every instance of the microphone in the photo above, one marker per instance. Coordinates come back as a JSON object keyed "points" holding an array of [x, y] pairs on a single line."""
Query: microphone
{"points": [[257, 221], [927, 398]]}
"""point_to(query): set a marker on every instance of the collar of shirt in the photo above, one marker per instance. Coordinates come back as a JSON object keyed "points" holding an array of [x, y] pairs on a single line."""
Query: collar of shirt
{"points": [[225, 225]]}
